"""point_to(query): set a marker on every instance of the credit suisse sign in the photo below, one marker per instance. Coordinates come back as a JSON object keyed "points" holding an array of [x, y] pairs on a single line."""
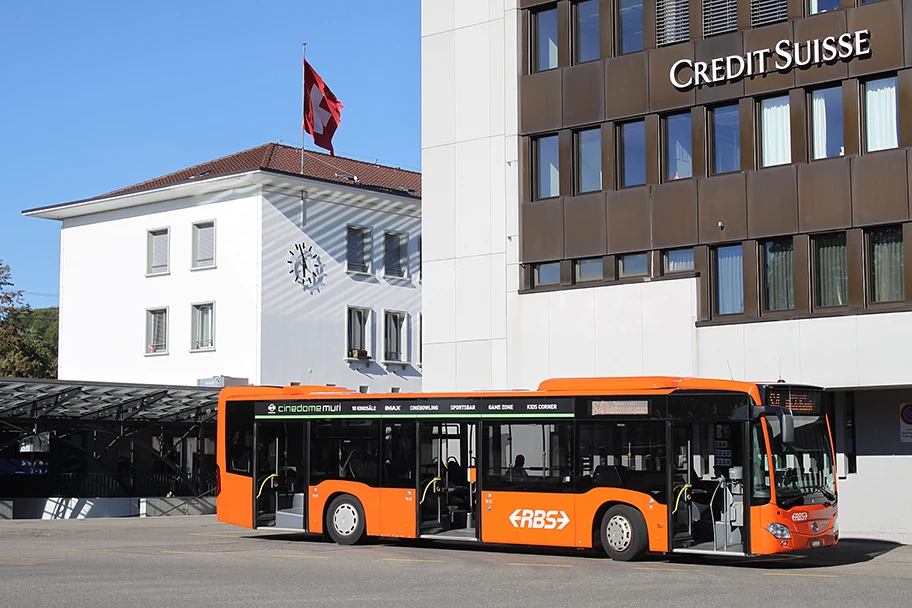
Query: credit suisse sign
{"points": [[783, 56]]}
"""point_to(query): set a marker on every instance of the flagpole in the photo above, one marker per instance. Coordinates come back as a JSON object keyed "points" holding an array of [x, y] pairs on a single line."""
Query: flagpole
{"points": [[303, 100]]}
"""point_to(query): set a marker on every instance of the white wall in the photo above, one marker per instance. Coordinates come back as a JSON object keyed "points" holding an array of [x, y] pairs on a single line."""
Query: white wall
{"points": [[104, 292], [304, 331]]}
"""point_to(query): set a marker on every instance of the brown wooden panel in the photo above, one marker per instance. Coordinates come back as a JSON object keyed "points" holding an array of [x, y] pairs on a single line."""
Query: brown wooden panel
{"points": [[606, 29], [542, 230], [818, 27], [608, 155], [855, 267], [583, 94], [904, 84], [540, 102], [798, 125], [748, 151], [802, 244], [722, 199], [662, 94], [698, 131], [850, 116], [565, 160], [626, 84], [907, 256], [563, 33], [674, 214], [766, 38], [751, 261], [701, 267], [585, 225], [652, 149], [880, 188], [824, 195], [884, 19], [772, 202], [719, 46], [628, 220]]}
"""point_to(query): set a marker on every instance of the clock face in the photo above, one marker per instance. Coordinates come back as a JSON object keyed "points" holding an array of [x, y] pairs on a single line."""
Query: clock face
{"points": [[305, 267]]}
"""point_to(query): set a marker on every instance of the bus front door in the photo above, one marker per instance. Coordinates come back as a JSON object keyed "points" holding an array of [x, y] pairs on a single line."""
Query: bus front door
{"points": [[280, 490], [446, 481], [706, 505]]}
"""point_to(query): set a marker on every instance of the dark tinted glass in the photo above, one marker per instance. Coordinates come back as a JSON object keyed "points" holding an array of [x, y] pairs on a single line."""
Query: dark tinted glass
{"points": [[586, 35], [726, 139], [630, 32], [545, 40], [678, 147], [589, 160], [632, 154]]}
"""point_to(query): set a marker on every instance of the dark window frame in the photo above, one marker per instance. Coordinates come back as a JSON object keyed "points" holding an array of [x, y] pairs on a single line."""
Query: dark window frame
{"points": [[632, 275], [574, 31], [535, 275], [863, 113], [576, 273], [869, 268], [665, 253], [620, 155], [815, 272], [765, 309], [536, 167], [711, 139], [663, 161], [809, 132], [578, 164], [714, 284], [533, 37], [758, 130]]}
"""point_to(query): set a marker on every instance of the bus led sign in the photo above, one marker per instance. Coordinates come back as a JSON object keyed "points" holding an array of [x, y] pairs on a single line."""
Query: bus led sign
{"points": [[618, 407], [784, 56]]}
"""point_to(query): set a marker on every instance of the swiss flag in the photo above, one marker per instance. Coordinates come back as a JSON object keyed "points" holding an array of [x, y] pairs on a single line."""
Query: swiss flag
{"points": [[322, 111]]}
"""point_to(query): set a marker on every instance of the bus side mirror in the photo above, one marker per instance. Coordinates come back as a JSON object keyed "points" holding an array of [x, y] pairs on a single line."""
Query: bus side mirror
{"points": [[788, 427]]}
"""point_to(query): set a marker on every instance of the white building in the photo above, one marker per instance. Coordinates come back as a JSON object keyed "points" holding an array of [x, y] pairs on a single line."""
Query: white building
{"points": [[242, 267], [490, 322]]}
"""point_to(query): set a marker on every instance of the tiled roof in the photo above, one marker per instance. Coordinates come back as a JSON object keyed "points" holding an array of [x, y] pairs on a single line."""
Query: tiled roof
{"points": [[287, 159]]}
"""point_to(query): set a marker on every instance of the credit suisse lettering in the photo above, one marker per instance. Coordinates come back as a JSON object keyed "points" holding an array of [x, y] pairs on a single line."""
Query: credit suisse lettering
{"points": [[784, 56]]}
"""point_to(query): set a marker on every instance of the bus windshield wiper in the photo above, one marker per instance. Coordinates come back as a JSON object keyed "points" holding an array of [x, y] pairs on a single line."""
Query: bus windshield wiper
{"points": [[785, 503], [831, 496]]}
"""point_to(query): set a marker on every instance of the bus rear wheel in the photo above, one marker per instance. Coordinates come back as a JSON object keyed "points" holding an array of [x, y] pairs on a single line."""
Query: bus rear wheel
{"points": [[345, 520], [624, 533]]}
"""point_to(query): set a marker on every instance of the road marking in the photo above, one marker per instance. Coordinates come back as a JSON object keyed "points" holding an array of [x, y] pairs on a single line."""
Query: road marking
{"points": [[30, 561], [65, 549], [800, 574], [543, 565], [193, 552], [301, 556], [225, 534], [668, 569], [399, 559]]}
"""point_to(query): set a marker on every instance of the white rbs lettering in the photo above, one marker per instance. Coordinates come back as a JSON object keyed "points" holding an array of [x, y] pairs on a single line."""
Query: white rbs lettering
{"points": [[539, 519]]}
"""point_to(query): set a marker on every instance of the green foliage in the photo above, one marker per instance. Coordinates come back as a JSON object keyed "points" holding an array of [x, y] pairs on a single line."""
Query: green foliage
{"points": [[28, 337]]}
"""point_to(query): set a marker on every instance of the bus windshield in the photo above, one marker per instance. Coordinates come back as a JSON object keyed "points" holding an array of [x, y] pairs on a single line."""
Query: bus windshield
{"points": [[804, 468]]}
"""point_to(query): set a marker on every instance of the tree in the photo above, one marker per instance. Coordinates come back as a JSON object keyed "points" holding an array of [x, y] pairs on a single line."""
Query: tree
{"points": [[28, 337]]}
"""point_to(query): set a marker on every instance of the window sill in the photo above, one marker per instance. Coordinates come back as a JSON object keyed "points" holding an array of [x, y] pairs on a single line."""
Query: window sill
{"points": [[390, 363], [157, 274], [397, 279], [157, 354], [358, 273], [208, 349], [198, 268], [359, 359]]}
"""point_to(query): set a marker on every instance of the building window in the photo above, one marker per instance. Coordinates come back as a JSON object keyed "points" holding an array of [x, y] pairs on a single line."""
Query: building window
{"points": [[632, 153], [726, 137], [358, 255], [779, 274], [589, 270], [203, 326], [679, 260], [822, 6], [633, 265], [547, 167], [356, 328], [885, 255], [546, 274], [729, 281], [589, 160], [672, 21], [719, 16], [157, 254], [394, 339], [775, 132], [395, 258], [832, 279], [157, 331], [204, 245], [826, 123], [586, 31], [764, 12], [544, 40], [678, 147], [881, 115], [630, 20]]}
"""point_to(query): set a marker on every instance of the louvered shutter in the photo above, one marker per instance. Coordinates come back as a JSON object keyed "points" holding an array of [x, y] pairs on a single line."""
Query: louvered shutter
{"points": [[357, 250], [159, 252], [764, 12], [393, 265], [719, 16], [205, 245], [672, 21]]}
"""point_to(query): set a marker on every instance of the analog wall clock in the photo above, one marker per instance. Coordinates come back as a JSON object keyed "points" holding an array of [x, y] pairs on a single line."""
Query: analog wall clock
{"points": [[305, 266]]}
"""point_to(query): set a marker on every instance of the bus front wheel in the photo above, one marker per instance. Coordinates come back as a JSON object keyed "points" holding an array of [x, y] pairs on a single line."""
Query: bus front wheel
{"points": [[345, 520], [624, 533]]}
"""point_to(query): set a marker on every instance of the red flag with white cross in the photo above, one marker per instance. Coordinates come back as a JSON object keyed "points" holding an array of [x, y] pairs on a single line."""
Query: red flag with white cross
{"points": [[322, 111]]}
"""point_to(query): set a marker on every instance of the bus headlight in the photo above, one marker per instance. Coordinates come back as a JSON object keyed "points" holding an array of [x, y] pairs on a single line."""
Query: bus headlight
{"points": [[778, 530]]}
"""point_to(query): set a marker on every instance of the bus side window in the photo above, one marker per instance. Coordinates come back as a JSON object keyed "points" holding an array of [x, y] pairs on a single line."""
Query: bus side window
{"points": [[760, 480], [239, 437]]}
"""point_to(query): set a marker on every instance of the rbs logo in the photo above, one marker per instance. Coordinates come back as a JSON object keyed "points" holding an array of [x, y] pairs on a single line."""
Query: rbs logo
{"points": [[539, 519], [801, 516]]}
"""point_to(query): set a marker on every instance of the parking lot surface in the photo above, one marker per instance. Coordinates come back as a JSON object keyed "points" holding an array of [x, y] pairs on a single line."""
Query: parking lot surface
{"points": [[197, 561]]}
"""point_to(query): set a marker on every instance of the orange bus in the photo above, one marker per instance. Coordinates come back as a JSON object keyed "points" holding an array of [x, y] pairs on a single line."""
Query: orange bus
{"points": [[628, 465]]}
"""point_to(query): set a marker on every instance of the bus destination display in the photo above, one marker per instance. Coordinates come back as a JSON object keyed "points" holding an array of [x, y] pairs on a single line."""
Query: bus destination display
{"points": [[620, 408], [796, 400]]}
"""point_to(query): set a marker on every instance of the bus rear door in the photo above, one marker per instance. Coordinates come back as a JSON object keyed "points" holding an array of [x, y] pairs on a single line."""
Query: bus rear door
{"points": [[280, 481]]}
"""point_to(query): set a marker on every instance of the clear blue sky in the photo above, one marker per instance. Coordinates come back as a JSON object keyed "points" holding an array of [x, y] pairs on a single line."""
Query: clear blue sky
{"points": [[103, 94]]}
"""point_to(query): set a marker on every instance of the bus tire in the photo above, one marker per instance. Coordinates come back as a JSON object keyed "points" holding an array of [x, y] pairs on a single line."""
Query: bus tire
{"points": [[623, 533], [345, 520]]}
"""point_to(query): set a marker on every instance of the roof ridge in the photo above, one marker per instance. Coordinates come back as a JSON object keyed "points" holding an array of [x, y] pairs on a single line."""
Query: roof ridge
{"points": [[354, 160]]}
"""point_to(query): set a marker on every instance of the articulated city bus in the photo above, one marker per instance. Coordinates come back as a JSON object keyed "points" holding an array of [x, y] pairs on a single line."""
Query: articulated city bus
{"points": [[628, 465]]}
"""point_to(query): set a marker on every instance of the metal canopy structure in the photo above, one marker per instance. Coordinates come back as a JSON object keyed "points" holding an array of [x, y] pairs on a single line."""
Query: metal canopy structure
{"points": [[30, 400]]}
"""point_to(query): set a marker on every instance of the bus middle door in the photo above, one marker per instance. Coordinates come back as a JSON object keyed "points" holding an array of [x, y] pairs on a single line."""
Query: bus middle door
{"points": [[279, 483]]}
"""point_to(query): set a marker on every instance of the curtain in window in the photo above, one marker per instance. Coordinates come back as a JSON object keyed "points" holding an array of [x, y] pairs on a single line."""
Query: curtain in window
{"points": [[832, 277], [818, 116], [679, 260], [394, 263], [812, 7], [886, 265], [780, 275], [776, 134], [160, 251], [159, 331], [882, 125], [729, 280]]}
